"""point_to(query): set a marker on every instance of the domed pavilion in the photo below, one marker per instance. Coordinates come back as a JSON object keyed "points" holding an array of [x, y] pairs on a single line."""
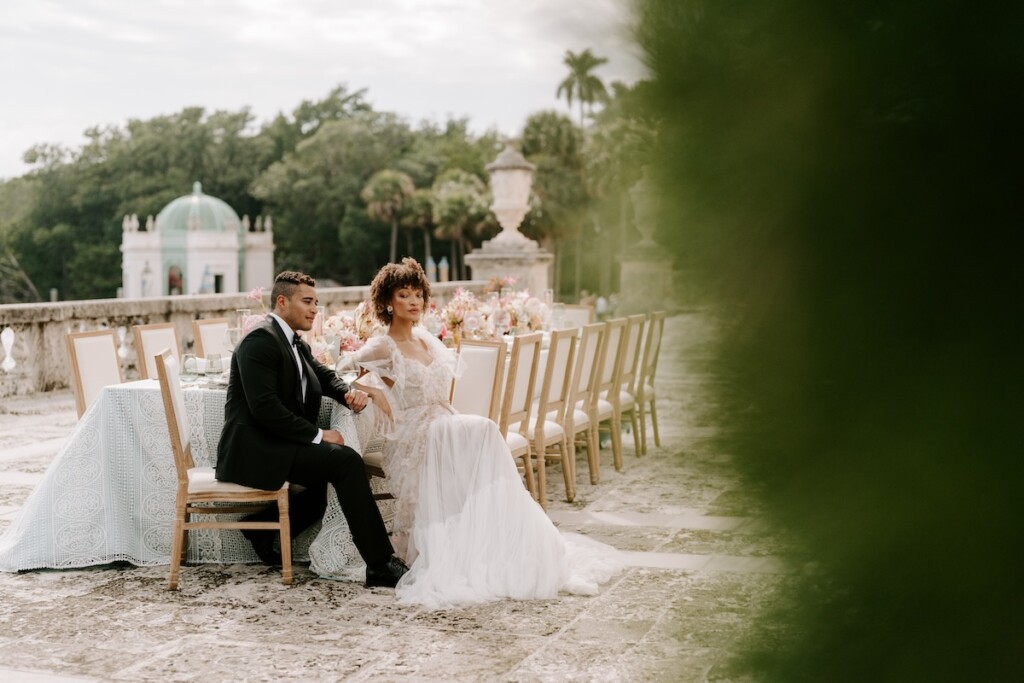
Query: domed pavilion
{"points": [[196, 245]]}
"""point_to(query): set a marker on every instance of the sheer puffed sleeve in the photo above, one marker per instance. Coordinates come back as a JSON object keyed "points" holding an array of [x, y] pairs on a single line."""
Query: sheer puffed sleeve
{"points": [[378, 356]]}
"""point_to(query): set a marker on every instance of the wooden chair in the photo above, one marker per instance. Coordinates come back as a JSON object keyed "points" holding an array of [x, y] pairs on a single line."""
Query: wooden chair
{"points": [[609, 373], [578, 315], [94, 365], [582, 388], [477, 390], [645, 393], [199, 492], [547, 430], [517, 401], [149, 340], [625, 398], [210, 336]]}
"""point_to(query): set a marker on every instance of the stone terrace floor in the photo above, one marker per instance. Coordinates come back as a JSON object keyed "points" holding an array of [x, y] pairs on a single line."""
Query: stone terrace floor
{"points": [[701, 565]]}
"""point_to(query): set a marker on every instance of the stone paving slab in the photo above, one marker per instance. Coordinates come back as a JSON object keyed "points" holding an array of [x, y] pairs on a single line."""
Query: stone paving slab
{"points": [[702, 563]]}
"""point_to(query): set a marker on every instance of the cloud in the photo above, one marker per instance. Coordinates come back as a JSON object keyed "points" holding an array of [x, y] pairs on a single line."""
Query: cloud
{"points": [[68, 65]]}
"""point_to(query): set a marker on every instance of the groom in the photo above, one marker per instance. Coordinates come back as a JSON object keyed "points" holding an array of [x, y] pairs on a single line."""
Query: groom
{"points": [[270, 434]]}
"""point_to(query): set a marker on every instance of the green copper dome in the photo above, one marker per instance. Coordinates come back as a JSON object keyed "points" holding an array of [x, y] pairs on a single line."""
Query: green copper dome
{"points": [[198, 212]]}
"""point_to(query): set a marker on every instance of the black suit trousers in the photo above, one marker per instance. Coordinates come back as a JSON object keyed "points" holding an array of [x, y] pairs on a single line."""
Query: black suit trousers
{"points": [[320, 464]]}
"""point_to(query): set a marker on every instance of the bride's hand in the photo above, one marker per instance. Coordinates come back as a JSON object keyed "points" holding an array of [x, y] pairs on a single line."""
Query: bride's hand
{"points": [[377, 396]]}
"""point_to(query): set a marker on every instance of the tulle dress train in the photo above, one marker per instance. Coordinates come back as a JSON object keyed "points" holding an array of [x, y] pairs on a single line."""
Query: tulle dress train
{"points": [[464, 522]]}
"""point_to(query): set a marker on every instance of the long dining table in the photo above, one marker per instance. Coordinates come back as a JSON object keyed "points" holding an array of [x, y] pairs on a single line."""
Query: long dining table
{"points": [[108, 496]]}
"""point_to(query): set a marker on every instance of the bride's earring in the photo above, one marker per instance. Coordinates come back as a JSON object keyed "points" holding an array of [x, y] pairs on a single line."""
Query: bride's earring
{"points": [[390, 310]]}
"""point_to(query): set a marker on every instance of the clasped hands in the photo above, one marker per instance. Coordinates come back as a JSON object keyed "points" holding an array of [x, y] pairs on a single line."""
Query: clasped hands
{"points": [[356, 400]]}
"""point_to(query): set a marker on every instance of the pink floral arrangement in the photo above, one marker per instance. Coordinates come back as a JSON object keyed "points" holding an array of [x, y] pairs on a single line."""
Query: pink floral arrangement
{"points": [[367, 324], [343, 326], [461, 316], [526, 313], [251, 321], [497, 284]]}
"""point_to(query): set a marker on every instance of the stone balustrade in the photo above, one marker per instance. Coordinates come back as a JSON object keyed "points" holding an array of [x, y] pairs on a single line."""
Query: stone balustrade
{"points": [[40, 351]]}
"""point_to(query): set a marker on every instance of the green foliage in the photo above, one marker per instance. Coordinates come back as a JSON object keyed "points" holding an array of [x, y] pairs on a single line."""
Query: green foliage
{"points": [[841, 180], [312, 188], [459, 208], [436, 149], [307, 169], [553, 135]]}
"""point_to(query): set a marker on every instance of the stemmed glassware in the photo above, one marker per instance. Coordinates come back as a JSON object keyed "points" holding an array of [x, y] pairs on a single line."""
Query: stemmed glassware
{"points": [[471, 323], [347, 368], [232, 337], [502, 321]]}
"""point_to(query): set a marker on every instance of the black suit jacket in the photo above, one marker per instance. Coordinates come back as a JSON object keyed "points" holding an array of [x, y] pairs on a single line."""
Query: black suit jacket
{"points": [[266, 420]]}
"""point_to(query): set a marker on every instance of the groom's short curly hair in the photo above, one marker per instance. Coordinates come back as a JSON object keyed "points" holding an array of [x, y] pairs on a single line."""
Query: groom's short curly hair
{"points": [[409, 273], [286, 283]]}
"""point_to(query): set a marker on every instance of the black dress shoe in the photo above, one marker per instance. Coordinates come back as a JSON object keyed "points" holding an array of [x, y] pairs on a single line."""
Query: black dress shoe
{"points": [[386, 574], [263, 544]]}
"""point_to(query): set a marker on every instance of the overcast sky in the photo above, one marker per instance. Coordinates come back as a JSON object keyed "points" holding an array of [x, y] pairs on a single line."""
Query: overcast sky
{"points": [[67, 65]]}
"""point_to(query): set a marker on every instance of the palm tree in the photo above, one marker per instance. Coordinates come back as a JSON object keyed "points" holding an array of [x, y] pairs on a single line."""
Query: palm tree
{"points": [[385, 194], [419, 216], [459, 203], [580, 84]]}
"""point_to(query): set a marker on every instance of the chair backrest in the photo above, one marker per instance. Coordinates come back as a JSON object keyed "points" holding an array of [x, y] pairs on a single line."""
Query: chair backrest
{"points": [[649, 362], [149, 340], [610, 365], [174, 408], [557, 381], [631, 355], [578, 315], [519, 380], [588, 358], [94, 365], [477, 389], [210, 336]]}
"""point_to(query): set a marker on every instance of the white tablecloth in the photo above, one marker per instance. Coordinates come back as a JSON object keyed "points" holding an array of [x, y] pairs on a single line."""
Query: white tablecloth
{"points": [[109, 494]]}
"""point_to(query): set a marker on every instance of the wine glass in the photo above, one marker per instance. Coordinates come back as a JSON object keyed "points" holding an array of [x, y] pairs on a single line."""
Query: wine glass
{"points": [[214, 365], [231, 338], [471, 323], [347, 368], [502, 321]]}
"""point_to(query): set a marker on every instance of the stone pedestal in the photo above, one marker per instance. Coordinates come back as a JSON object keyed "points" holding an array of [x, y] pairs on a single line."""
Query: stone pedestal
{"points": [[645, 277], [511, 254]]}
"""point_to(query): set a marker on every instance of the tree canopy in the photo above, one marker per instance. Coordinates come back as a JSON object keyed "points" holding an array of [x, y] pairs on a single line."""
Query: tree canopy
{"points": [[330, 173]]}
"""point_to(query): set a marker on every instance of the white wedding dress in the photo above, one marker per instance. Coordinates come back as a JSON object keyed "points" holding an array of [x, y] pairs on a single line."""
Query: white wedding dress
{"points": [[464, 522]]}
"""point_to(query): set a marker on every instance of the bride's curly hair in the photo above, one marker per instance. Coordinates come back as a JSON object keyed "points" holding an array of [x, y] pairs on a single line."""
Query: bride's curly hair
{"points": [[409, 273]]}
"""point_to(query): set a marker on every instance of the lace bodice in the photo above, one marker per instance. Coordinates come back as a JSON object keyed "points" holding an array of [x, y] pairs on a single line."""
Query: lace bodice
{"points": [[415, 385]]}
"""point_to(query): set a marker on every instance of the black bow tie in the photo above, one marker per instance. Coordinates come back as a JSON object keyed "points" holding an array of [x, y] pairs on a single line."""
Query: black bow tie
{"points": [[295, 340]]}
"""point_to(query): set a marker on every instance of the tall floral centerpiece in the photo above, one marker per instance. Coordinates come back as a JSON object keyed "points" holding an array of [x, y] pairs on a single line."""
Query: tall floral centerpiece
{"points": [[344, 332], [468, 317], [463, 317], [525, 313]]}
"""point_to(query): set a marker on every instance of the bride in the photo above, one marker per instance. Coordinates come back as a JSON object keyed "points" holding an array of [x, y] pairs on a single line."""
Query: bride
{"points": [[465, 524]]}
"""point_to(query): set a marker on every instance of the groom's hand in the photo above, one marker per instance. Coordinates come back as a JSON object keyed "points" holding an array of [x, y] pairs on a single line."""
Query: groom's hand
{"points": [[333, 436], [356, 400]]}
